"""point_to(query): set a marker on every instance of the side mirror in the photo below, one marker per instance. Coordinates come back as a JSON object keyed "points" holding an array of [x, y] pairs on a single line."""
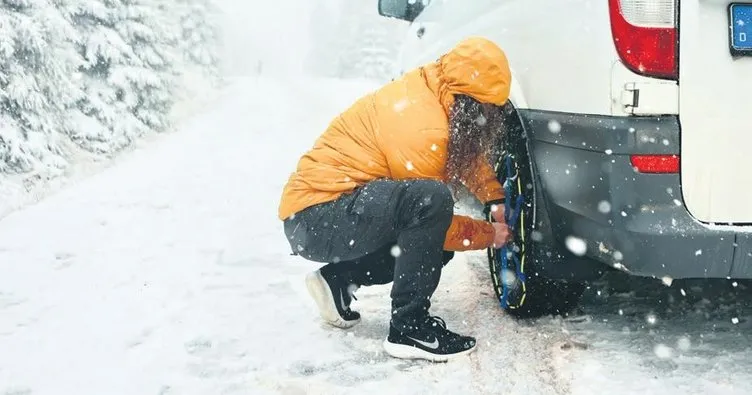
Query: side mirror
{"points": [[407, 10]]}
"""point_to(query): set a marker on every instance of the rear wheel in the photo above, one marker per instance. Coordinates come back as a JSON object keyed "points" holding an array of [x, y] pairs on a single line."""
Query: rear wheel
{"points": [[521, 289]]}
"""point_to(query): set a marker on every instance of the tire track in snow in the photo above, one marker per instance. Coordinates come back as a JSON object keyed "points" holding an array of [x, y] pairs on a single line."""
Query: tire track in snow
{"points": [[513, 356]]}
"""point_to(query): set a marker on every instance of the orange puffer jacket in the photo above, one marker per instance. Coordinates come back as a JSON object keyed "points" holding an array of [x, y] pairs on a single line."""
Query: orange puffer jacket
{"points": [[401, 131]]}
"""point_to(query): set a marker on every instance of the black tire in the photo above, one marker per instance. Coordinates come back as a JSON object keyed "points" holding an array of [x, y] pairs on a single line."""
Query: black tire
{"points": [[521, 290]]}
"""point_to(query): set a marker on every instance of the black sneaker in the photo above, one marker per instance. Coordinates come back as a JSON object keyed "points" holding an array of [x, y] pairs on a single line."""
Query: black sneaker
{"points": [[431, 341], [333, 298]]}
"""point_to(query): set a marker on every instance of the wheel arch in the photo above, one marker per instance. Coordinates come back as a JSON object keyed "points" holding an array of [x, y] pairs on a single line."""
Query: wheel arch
{"points": [[552, 259]]}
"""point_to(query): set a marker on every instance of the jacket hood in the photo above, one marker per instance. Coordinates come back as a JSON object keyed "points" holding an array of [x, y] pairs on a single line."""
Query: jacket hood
{"points": [[475, 67]]}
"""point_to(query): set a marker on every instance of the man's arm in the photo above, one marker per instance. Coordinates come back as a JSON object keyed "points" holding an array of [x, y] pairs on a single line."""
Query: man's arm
{"points": [[466, 233], [484, 184]]}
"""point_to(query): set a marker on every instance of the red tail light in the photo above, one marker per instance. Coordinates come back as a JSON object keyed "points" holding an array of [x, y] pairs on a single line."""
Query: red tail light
{"points": [[645, 36], [655, 163]]}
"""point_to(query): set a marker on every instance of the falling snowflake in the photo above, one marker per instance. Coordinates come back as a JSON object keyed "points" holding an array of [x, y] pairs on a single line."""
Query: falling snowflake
{"points": [[509, 278], [662, 351], [604, 207], [554, 126], [409, 165], [466, 242], [683, 343], [576, 245], [352, 242], [618, 256], [434, 147], [609, 152], [698, 252], [667, 280], [651, 319], [481, 120], [536, 235], [401, 105], [396, 251], [734, 320]]}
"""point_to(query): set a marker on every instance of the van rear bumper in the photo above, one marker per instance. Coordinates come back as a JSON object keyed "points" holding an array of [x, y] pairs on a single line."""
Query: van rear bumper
{"points": [[631, 221]]}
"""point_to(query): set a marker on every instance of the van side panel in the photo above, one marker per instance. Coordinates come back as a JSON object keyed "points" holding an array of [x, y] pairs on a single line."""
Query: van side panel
{"points": [[560, 66]]}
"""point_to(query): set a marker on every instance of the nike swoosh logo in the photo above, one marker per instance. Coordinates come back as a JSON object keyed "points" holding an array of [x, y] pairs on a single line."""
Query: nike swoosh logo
{"points": [[433, 345]]}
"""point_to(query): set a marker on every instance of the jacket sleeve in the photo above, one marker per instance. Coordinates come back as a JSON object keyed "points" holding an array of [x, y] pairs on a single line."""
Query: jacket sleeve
{"points": [[485, 186], [466, 233]]}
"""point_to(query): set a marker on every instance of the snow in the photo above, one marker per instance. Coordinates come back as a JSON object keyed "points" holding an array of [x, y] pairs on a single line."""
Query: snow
{"points": [[554, 126], [169, 273], [628, 353], [576, 245], [166, 271]]}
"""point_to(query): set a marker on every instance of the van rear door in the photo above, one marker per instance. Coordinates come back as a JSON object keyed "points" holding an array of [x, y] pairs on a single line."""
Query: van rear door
{"points": [[715, 109]]}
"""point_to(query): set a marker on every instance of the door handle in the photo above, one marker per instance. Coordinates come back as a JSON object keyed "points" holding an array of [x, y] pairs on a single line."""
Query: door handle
{"points": [[420, 32]]}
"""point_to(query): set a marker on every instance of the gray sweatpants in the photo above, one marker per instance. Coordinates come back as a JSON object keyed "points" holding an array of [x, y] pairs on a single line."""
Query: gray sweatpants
{"points": [[384, 231]]}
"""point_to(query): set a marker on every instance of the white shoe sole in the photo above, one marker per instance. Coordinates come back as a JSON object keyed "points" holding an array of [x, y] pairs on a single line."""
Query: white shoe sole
{"points": [[322, 295], [408, 352]]}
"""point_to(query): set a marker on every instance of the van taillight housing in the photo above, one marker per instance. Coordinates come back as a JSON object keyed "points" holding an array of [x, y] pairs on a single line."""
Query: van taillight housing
{"points": [[645, 36]]}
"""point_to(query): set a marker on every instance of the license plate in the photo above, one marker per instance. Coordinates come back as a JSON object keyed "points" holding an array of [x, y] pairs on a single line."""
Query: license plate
{"points": [[740, 22]]}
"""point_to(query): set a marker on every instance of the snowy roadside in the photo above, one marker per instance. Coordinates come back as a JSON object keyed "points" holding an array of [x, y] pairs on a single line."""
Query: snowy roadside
{"points": [[18, 191], [168, 273]]}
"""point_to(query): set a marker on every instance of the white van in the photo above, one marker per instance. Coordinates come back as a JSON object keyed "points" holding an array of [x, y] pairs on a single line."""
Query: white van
{"points": [[630, 128]]}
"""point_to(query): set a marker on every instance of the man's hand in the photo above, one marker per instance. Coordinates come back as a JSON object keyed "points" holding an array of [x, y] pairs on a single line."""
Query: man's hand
{"points": [[502, 234], [497, 212]]}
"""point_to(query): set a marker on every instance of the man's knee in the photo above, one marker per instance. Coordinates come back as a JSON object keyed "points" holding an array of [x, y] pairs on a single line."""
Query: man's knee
{"points": [[432, 195]]}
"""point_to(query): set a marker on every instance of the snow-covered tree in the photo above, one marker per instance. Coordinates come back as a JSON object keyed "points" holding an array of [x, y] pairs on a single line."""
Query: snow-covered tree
{"points": [[368, 43], [127, 70], [376, 58], [99, 73], [198, 46], [199, 38], [36, 84]]}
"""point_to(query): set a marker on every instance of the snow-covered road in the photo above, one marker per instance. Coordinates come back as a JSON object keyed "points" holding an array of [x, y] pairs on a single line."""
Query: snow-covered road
{"points": [[169, 274]]}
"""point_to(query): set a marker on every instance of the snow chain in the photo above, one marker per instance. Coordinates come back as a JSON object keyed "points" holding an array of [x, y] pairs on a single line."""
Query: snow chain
{"points": [[512, 285]]}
